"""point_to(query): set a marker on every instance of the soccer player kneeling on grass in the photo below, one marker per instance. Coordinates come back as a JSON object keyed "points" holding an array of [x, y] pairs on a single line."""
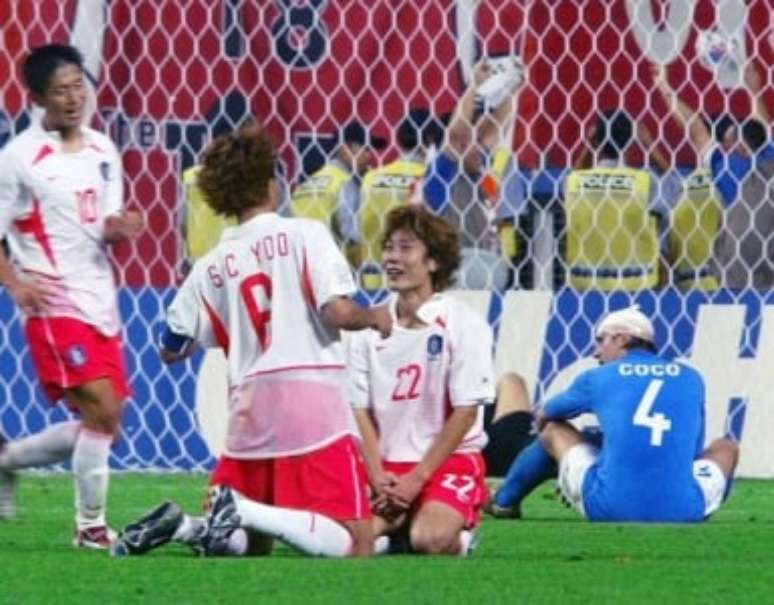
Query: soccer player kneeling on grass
{"points": [[273, 295], [418, 395], [652, 465]]}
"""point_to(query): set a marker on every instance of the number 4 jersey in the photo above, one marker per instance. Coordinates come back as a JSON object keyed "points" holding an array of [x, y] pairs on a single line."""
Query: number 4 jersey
{"points": [[258, 295], [53, 207], [412, 381], [651, 412]]}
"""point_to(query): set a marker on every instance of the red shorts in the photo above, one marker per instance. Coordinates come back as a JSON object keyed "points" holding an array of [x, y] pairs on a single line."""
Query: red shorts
{"points": [[458, 483], [330, 481], [68, 352]]}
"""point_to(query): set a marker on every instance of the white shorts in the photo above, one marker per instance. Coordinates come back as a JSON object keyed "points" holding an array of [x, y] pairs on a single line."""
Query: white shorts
{"points": [[572, 470], [579, 458], [712, 482]]}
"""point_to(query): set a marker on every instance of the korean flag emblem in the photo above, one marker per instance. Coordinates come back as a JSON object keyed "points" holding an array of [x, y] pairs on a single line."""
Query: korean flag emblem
{"points": [[434, 347], [104, 170], [76, 356]]}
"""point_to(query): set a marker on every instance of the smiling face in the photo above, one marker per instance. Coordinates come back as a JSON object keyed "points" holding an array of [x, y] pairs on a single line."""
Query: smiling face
{"points": [[407, 265], [64, 98]]}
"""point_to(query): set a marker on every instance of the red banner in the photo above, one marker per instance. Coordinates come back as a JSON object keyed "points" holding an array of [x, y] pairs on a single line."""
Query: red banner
{"points": [[172, 72]]}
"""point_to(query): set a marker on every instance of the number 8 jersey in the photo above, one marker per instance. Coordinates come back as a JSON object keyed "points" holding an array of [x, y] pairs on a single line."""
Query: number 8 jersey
{"points": [[258, 295], [412, 380]]}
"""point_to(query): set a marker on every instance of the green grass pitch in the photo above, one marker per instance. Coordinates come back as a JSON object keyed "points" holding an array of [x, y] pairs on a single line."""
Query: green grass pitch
{"points": [[550, 557]]}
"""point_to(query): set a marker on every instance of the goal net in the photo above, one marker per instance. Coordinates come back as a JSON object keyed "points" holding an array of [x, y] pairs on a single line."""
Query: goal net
{"points": [[682, 229]]}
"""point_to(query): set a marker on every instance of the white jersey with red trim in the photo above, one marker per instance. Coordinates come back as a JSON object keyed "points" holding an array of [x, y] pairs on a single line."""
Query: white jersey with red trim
{"points": [[412, 380], [258, 295], [53, 207]]}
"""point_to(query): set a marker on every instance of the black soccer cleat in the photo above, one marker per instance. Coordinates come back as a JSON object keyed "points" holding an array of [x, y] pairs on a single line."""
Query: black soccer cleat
{"points": [[150, 531], [502, 512], [222, 520]]}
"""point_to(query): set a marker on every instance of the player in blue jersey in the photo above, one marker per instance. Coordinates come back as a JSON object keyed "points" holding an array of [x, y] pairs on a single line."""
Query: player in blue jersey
{"points": [[651, 465]]}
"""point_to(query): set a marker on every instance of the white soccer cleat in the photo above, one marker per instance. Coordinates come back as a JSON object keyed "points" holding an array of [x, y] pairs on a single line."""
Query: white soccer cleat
{"points": [[95, 538]]}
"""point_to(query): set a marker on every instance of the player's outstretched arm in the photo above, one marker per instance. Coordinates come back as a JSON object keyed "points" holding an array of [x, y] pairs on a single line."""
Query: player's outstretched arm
{"points": [[345, 314]]}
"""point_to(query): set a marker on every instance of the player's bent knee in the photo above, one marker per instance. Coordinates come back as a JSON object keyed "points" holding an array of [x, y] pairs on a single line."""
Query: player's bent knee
{"points": [[725, 453], [548, 435], [434, 541]]}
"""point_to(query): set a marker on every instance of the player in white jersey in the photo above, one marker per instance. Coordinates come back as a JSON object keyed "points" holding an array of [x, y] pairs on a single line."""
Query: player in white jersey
{"points": [[273, 295], [419, 394], [61, 198]]}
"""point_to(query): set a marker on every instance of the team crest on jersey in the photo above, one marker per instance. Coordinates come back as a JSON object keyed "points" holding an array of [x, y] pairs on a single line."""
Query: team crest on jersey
{"points": [[104, 170], [434, 347], [76, 355]]}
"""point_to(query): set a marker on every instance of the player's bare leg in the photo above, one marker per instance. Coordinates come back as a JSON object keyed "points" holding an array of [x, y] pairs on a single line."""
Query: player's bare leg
{"points": [[362, 537], [53, 444], [558, 438], [725, 453], [101, 413], [436, 529], [512, 396]]}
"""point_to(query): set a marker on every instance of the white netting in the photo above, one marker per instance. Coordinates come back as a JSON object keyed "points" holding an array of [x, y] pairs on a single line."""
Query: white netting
{"points": [[168, 74]]}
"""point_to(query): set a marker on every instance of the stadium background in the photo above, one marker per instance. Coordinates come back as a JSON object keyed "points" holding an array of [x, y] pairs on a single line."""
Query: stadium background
{"points": [[167, 74]]}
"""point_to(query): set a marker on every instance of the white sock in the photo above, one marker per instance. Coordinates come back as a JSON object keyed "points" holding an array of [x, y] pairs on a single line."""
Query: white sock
{"points": [[90, 467], [311, 533], [190, 530], [238, 543], [382, 545], [53, 444], [466, 538]]}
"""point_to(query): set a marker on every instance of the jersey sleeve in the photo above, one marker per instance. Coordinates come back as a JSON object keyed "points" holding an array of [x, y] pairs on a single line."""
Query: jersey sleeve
{"points": [[573, 402], [327, 269], [471, 376], [358, 370], [187, 316], [10, 192], [114, 192]]}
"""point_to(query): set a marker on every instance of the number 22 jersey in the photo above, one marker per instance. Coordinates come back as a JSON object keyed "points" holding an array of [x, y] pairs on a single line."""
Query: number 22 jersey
{"points": [[412, 381]]}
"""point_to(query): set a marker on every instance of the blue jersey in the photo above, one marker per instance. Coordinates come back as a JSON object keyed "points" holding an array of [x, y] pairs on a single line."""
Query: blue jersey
{"points": [[651, 412]]}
